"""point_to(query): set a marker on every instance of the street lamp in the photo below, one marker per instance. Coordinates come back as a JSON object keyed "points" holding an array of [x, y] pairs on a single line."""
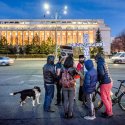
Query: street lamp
{"points": [[65, 12], [48, 12], [46, 6], [65, 7], [56, 16]]}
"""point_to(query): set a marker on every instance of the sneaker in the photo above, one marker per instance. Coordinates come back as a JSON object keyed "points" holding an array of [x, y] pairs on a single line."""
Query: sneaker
{"points": [[89, 117]]}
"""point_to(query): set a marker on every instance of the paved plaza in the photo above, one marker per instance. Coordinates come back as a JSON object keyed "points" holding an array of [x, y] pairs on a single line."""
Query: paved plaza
{"points": [[25, 74]]}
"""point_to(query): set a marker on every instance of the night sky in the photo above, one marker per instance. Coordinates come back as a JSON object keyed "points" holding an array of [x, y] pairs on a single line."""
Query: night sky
{"points": [[112, 11]]}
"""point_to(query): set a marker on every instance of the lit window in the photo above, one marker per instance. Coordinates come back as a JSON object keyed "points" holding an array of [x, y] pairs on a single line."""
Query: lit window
{"points": [[69, 33], [73, 22], [79, 22]]}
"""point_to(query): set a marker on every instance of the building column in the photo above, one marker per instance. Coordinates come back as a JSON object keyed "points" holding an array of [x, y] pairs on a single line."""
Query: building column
{"points": [[44, 34], [89, 35], [28, 38], [66, 35], [77, 35], [22, 39], [51, 34], [39, 38], [11, 37], [61, 37], [72, 36], [17, 38], [93, 35], [6, 36], [33, 37]]}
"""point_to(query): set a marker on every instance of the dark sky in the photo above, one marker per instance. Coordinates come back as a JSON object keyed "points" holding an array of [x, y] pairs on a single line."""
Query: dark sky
{"points": [[112, 11]]}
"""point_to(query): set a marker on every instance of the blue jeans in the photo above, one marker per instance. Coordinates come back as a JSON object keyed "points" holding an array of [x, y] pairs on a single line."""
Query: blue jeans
{"points": [[49, 94]]}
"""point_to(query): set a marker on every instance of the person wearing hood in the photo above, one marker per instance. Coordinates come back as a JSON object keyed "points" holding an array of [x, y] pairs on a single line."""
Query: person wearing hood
{"points": [[89, 87], [105, 85], [49, 75]]}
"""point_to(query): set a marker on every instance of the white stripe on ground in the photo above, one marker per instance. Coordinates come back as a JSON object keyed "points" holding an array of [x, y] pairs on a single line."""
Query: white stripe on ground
{"points": [[37, 76], [14, 77]]}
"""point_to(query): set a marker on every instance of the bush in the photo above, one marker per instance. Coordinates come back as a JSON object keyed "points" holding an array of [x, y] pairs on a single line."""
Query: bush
{"points": [[3, 51]]}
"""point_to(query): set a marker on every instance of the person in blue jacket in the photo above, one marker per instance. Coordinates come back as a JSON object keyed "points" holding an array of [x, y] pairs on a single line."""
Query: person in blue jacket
{"points": [[89, 87]]}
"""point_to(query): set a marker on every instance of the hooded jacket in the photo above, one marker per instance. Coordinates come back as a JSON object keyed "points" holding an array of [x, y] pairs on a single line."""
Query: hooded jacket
{"points": [[90, 77], [102, 70], [49, 72]]}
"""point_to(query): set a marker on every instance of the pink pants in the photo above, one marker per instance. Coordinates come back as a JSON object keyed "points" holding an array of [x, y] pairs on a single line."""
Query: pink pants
{"points": [[105, 90]]}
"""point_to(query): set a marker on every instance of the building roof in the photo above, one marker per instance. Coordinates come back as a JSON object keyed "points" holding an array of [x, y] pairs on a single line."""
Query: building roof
{"points": [[51, 21]]}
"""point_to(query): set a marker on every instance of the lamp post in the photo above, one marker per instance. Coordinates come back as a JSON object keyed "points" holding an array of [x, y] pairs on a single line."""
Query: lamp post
{"points": [[56, 15]]}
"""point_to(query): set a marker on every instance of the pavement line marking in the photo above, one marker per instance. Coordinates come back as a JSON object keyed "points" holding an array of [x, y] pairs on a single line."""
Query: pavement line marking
{"points": [[14, 77], [34, 80], [37, 76]]}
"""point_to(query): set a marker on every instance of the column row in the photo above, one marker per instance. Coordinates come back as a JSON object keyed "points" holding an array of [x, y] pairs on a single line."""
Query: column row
{"points": [[63, 37]]}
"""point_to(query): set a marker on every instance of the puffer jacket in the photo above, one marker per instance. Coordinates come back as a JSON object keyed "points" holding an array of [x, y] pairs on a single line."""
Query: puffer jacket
{"points": [[49, 72], [102, 70], [90, 80]]}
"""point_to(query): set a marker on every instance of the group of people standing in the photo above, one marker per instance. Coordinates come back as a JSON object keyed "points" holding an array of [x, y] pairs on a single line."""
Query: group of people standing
{"points": [[65, 75]]}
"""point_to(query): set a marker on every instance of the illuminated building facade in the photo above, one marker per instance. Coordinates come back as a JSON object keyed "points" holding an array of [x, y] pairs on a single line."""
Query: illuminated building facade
{"points": [[66, 31]]}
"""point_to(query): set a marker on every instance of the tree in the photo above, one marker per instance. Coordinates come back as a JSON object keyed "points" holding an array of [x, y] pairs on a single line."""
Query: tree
{"points": [[36, 40], [98, 36], [48, 46], [3, 45], [99, 40], [118, 43], [97, 49], [122, 36]]}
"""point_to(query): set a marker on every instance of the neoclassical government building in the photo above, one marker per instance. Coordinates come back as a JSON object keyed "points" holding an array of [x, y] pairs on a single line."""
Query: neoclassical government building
{"points": [[66, 31]]}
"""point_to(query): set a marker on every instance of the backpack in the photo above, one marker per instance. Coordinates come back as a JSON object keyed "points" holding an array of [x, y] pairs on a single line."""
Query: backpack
{"points": [[67, 81]]}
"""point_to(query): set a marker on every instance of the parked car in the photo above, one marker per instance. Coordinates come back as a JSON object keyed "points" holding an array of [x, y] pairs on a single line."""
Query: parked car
{"points": [[119, 57], [6, 61]]}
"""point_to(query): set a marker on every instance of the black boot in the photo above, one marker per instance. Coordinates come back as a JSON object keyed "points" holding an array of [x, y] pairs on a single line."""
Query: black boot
{"points": [[66, 116]]}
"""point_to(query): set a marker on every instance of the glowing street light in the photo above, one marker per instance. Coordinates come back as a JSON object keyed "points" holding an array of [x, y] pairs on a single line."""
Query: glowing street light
{"points": [[65, 12], [65, 7], [46, 6], [56, 15], [48, 12]]}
